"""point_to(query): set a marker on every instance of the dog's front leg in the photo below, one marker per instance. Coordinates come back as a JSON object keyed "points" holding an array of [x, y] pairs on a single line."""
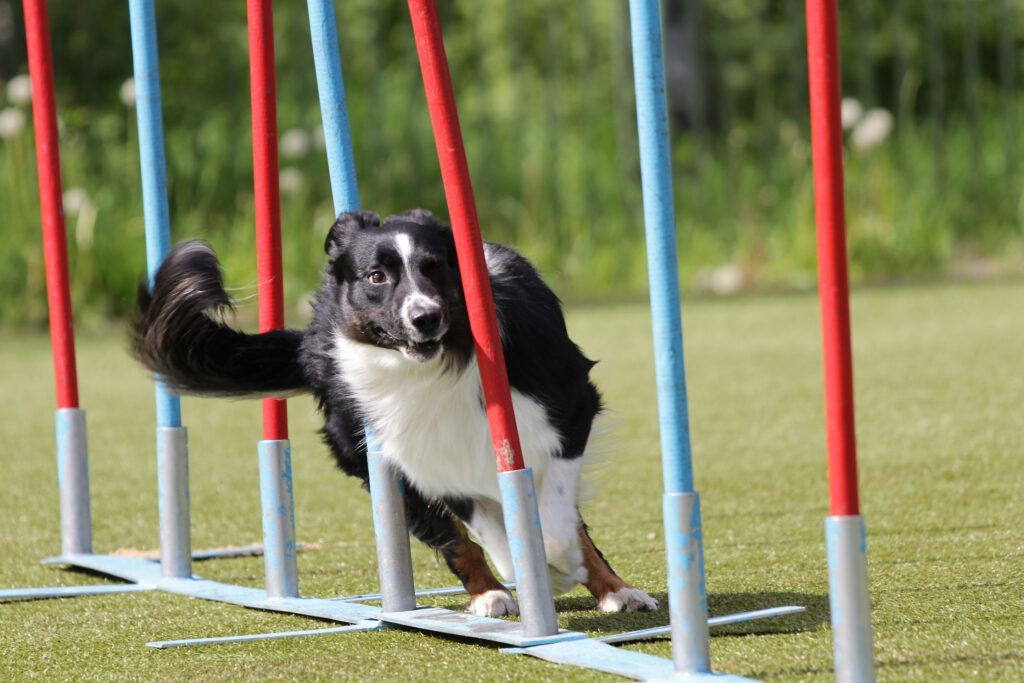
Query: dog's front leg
{"points": [[489, 598]]}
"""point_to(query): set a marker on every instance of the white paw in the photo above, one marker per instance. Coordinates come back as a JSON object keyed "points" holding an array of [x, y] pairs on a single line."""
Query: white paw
{"points": [[627, 599], [494, 603]]}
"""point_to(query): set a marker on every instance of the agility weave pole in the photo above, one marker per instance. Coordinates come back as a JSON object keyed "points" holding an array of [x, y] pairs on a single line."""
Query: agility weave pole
{"points": [[519, 500], [72, 445], [845, 534], [688, 606], [558, 648], [394, 559]]}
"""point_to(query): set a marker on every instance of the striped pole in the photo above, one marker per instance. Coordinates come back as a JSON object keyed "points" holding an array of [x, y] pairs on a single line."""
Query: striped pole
{"points": [[844, 528], [518, 494], [274, 449], [394, 558], [688, 610], [72, 446], [172, 437]]}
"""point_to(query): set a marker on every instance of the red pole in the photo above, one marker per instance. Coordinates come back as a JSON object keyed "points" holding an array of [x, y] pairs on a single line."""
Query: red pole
{"points": [[265, 183], [827, 147], [468, 243], [51, 202]]}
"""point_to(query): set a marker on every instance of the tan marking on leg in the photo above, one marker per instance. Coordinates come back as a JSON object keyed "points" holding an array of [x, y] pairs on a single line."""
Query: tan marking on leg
{"points": [[468, 562], [601, 579]]}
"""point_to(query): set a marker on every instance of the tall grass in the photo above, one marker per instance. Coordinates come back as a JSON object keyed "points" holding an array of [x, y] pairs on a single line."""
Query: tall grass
{"points": [[545, 98]]}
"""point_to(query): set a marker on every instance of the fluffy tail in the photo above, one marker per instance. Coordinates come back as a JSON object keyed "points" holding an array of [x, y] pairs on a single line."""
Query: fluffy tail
{"points": [[180, 336]]}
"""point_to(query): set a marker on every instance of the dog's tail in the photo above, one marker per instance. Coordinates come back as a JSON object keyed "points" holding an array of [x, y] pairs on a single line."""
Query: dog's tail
{"points": [[181, 337]]}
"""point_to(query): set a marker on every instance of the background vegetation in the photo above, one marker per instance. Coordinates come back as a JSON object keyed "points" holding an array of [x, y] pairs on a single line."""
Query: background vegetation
{"points": [[546, 102]]}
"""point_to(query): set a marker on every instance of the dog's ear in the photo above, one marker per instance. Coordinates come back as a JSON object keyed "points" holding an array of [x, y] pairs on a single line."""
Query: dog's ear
{"points": [[418, 216], [449, 241], [347, 224]]}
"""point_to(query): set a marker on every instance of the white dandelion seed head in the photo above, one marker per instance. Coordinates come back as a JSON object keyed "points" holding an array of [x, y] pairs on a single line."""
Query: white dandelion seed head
{"points": [[127, 92], [75, 198], [12, 122], [295, 143], [291, 180], [873, 129], [19, 90], [850, 111]]}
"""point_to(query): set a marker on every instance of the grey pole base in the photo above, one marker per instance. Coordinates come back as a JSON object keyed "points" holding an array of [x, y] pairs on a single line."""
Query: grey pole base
{"points": [[173, 496], [394, 559], [526, 543], [282, 575], [73, 475], [850, 603]]}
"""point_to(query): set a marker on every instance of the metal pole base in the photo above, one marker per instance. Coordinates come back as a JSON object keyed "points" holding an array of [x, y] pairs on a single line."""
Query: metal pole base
{"points": [[282, 576], [687, 600], [73, 475], [394, 560], [175, 517], [846, 544], [526, 542]]}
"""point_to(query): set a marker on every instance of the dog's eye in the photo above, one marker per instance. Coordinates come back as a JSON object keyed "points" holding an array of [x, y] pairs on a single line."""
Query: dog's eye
{"points": [[377, 277]]}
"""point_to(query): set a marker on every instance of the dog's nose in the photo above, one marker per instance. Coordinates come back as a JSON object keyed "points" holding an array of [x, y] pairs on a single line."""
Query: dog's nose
{"points": [[427, 321]]}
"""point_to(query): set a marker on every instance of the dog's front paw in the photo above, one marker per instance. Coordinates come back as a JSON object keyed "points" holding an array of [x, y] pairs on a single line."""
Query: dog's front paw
{"points": [[494, 603], [627, 599]]}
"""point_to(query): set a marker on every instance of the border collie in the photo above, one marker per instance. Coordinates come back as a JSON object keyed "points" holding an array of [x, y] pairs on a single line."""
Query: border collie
{"points": [[390, 343]]}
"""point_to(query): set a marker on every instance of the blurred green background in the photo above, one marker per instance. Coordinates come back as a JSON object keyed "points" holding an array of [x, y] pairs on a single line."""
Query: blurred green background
{"points": [[544, 89]]}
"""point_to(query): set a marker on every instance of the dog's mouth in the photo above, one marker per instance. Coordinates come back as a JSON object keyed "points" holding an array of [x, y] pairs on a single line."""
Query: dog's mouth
{"points": [[420, 351]]}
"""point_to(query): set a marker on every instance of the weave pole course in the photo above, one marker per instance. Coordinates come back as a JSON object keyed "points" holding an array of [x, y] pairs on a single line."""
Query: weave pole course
{"points": [[845, 533], [567, 647]]}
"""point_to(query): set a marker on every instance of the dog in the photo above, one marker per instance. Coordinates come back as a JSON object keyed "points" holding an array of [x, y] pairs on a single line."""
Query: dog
{"points": [[390, 344]]}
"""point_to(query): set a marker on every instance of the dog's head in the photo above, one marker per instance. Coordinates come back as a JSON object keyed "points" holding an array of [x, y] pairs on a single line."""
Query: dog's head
{"points": [[397, 282]]}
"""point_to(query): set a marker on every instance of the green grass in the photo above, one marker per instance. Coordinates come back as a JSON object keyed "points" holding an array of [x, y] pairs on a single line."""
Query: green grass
{"points": [[940, 381]]}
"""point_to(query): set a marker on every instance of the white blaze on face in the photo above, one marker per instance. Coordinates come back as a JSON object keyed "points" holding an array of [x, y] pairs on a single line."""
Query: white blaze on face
{"points": [[415, 299]]}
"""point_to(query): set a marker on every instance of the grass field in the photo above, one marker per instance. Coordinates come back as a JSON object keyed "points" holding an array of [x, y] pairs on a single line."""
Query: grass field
{"points": [[940, 408]]}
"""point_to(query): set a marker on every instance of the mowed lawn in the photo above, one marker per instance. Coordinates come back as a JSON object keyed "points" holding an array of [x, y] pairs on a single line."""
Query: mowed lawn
{"points": [[940, 414]]}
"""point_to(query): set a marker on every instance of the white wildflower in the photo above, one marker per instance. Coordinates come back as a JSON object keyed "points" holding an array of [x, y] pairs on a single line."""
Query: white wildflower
{"points": [[291, 180], [12, 122], [78, 203], [725, 279], [873, 129], [850, 111], [19, 90], [295, 143], [75, 198], [127, 93]]}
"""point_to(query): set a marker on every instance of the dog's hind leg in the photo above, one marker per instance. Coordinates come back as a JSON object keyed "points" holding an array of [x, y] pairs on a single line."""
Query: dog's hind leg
{"points": [[612, 593]]}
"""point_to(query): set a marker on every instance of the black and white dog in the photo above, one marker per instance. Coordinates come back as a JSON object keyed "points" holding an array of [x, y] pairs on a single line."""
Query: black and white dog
{"points": [[390, 343]]}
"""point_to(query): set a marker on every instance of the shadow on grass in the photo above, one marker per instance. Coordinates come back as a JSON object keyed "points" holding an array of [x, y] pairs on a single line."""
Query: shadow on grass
{"points": [[578, 614]]}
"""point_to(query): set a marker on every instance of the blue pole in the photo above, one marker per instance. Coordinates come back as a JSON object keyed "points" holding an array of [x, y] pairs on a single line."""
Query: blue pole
{"points": [[333, 110], [681, 505], [393, 558], [172, 451]]}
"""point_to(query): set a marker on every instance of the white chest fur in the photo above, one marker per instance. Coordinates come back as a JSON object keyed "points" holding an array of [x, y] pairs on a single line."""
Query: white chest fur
{"points": [[432, 424]]}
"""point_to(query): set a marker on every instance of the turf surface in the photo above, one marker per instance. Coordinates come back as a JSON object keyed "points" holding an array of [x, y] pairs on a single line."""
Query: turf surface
{"points": [[940, 387]]}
